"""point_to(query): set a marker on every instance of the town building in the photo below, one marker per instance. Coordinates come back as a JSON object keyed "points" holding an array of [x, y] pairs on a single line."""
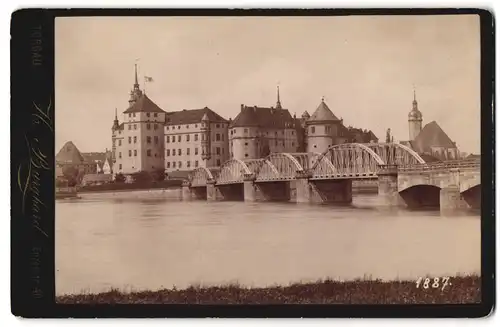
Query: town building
{"points": [[430, 142], [69, 158], [257, 131], [195, 138]]}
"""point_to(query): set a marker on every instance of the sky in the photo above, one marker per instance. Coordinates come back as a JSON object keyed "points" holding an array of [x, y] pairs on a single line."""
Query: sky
{"points": [[366, 68]]}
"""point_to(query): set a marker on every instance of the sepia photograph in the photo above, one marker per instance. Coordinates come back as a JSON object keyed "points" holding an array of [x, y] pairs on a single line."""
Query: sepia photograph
{"points": [[268, 159]]}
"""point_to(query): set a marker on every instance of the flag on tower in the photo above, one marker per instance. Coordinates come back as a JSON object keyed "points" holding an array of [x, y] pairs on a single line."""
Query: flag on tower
{"points": [[148, 79]]}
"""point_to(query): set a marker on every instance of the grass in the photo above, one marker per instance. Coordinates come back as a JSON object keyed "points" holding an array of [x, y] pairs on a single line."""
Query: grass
{"points": [[463, 289]]}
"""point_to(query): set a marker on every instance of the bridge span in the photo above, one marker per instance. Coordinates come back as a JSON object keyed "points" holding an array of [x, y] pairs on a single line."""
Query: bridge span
{"points": [[404, 178]]}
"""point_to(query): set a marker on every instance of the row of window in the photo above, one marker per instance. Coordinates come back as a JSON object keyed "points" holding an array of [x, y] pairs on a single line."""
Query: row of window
{"points": [[148, 153], [187, 126], [178, 164], [148, 126], [147, 114], [172, 138], [245, 131], [148, 140], [218, 151], [276, 143]]}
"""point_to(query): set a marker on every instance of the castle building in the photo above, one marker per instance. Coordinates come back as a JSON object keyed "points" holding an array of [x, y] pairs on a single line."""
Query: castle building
{"points": [[195, 138], [430, 142], [138, 142], [324, 129], [258, 131]]}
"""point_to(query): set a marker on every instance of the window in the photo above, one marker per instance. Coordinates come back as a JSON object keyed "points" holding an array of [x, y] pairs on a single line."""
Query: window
{"points": [[148, 114], [276, 142], [180, 152], [293, 143], [246, 155], [246, 143], [217, 137], [173, 164], [178, 138], [180, 164], [179, 127], [168, 128], [218, 162], [148, 126], [135, 139], [187, 137], [195, 150], [129, 127], [133, 115], [217, 125], [188, 164], [156, 139], [203, 137], [217, 150], [293, 133], [155, 114], [168, 164], [187, 126], [168, 152], [222, 135], [129, 140], [129, 115], [187, 151], [120, 166], [168, 139], [119, 155], [119, 142], [148, 152], [282, 132], [135, 126], [135, 153], [130, 153], [195, 125], [155, 126], [313, 129], [314, 146], [196, 137], [245, 131], [148, 139], [173, 138], [222, 150], [173, 152], [196, 163]]}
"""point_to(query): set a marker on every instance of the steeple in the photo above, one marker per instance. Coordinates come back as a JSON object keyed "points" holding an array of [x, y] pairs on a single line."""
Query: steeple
{"points": [[278, 102], [136, 92], [415, 105], [116, 114], [136, 79], [414, 119], [116, 124]]}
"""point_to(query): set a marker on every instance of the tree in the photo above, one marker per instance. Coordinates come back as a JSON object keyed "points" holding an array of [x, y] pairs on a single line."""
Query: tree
{"points": [[159, 175], [119, 178], [142, 177]]}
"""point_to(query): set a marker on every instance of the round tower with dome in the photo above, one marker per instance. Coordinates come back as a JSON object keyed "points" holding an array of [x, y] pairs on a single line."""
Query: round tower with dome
{"points": [[414, 119]]}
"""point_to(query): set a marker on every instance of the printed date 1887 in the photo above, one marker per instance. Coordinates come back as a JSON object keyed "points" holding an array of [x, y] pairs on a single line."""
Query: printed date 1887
{"points": [[436, 282]]}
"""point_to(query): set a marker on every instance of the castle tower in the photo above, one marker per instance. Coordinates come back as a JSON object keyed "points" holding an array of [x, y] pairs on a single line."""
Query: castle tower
{"points": [[414, 119], [321, 129], [114, 132], [278, 102], [136, 92], [205, 137]]}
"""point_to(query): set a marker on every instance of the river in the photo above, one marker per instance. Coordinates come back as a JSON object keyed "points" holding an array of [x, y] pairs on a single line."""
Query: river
{"points": [[103, 242]]}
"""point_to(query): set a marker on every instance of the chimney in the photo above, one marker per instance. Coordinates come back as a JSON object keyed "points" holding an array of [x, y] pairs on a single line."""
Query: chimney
{"points": [[242, 106]]}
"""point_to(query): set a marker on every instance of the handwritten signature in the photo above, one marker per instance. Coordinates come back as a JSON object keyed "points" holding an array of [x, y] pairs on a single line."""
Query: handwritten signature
{"points": [[29, 172]]}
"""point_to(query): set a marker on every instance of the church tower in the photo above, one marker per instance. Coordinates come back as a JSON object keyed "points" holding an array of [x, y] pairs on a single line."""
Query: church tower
{"points": [[136, 92], [414, 119]]}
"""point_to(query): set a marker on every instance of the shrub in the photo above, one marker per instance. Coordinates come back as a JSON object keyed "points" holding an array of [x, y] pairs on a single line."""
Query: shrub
{"points": [[119, 178], [141, 177]]}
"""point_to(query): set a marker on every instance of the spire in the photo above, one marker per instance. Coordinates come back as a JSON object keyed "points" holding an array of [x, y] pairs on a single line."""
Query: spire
{"points": [[415, 105], [136, 80], [116, 114], [278, 103]]}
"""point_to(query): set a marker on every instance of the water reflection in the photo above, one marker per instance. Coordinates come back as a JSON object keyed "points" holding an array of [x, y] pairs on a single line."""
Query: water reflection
{"points": [[154, 243]]}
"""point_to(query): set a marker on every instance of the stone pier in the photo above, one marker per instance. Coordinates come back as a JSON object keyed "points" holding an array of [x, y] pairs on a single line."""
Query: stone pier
{"points": [[302, 188], [450, 199], [186, 191], [388, 192], [213, 192], [249, 191], [336, 191]]}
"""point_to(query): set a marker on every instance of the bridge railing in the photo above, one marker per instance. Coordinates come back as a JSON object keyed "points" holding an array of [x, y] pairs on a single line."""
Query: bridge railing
{"points": [[443, 165]]}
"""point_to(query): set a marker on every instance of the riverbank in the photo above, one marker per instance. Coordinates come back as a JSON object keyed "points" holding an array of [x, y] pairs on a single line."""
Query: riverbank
{"points": [[462, 289]]}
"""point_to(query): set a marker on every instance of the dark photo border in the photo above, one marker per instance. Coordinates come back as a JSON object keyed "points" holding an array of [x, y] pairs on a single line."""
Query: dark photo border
{"points": [[33, 191]]}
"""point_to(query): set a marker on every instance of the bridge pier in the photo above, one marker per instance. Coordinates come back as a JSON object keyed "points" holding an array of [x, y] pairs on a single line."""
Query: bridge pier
{"points": [[337, 191], [249, 189], [213, 192], [388, 192], [186, 191], [302, 188], [450, 199]]}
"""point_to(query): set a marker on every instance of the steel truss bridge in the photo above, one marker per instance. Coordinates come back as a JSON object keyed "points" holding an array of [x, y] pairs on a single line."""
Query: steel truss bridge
{"points": [[342, 161]]}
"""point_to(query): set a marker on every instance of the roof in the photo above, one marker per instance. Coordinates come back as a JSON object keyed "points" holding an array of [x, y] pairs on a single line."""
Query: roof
{"points": [[191, 116], [143, 104], [474, 156], [263, 117], [96, 156], [323, 113], [70, 154], [362, 136], [432, 136], [88, 178]]}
